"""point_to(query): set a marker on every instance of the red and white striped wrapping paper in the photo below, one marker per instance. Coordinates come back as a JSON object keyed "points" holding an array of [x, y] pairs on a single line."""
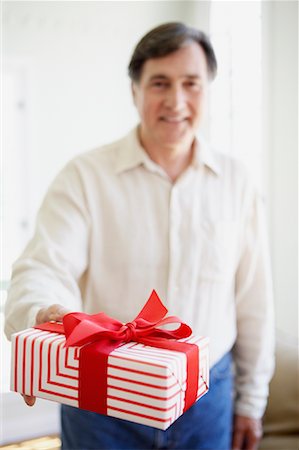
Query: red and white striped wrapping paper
{"points": [[145, 384]]}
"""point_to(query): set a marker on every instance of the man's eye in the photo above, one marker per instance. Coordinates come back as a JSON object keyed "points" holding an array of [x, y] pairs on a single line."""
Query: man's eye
{"points": [[192, 84], [159, 84]]}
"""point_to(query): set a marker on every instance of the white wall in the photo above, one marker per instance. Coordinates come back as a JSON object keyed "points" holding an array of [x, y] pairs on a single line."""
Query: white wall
{"points": [[73, 58], [280, 25]]}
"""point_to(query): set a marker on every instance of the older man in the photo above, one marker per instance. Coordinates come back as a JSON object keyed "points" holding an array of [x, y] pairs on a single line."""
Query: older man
{"points": [[160, 209]]}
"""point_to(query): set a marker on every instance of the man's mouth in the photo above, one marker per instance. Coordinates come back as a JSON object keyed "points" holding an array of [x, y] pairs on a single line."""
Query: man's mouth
{"points": [[174, 120]]}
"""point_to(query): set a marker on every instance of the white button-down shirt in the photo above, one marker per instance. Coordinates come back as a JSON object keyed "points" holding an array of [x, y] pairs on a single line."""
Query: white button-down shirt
{"points": [[113, 226]]}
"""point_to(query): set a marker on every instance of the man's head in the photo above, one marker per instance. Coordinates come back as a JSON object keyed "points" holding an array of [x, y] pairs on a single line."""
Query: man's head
{"points": [[170, 69], [168, 38]]}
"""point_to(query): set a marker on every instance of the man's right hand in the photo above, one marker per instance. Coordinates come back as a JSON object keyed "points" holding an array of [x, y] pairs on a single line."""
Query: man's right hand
{"points": [[53, 312]]}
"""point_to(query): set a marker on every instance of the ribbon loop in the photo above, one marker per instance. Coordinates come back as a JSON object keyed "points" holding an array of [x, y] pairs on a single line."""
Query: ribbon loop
{"points": [[81, 329]]}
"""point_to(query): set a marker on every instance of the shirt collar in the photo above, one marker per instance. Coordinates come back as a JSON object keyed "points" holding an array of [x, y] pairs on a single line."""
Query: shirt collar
{"points": [[131, 154], [204, 155]]}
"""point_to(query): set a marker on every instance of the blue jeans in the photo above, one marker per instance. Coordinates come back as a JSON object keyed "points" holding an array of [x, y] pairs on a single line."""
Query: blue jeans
{"points": [[206, 425]]}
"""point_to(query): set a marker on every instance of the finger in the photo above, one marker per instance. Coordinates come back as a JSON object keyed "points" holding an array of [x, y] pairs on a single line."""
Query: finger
{"points": [[238, 439], [252, 438], [58, 313], [29, 399]]}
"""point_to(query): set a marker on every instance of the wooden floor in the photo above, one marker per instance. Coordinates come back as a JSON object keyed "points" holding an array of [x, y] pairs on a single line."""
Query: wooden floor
{"points": [[43, 443]]}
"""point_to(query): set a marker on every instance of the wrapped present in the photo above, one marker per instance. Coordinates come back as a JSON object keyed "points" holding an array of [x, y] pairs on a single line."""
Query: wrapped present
{"points": [[137, 371]]}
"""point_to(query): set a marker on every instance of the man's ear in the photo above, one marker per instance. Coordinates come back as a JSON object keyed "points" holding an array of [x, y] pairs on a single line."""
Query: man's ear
{"points": [[133, 90]]}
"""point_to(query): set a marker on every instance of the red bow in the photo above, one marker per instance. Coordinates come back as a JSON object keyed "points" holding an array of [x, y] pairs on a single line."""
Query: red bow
{"points": [[81, 329]]}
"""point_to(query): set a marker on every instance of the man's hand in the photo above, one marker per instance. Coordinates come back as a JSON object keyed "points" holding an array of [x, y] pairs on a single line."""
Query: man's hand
{"points": [[247, 433], [54, 312]]}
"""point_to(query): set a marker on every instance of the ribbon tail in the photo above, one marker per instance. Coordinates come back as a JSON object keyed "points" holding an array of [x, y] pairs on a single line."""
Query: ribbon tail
{"points": [[153, 310]]}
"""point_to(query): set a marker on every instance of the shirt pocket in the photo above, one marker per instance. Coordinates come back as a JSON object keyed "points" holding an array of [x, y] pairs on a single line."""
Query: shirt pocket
{"points": [[218, 249]]}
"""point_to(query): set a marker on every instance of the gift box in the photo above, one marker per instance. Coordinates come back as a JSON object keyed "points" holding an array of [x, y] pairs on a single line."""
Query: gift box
{"points": [[137, 371]]}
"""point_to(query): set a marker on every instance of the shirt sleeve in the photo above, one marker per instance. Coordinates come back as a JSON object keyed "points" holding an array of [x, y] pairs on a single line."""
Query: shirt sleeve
{"points": [[52, 264], [254, 347]]}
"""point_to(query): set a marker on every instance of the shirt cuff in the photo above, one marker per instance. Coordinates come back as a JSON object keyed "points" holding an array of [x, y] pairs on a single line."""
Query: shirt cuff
{"points": [[250, 407], [31, 318]]}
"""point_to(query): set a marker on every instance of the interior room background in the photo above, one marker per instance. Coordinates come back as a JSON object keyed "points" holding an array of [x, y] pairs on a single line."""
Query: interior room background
{"points": [[65, 90]]}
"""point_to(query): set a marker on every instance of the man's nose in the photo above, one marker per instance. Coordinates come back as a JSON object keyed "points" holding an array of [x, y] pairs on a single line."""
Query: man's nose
{"points": [[175, 98]]}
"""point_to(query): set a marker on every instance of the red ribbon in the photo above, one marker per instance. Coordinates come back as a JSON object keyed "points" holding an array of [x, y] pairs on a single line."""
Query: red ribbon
{"points": [[100, 334]]}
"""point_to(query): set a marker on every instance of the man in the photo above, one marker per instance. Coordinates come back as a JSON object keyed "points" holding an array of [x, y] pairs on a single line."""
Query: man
{"points": [[160, 209]]}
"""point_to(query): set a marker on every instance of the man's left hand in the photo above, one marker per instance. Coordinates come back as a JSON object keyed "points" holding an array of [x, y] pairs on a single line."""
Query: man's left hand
{"points": [[247, 433]]}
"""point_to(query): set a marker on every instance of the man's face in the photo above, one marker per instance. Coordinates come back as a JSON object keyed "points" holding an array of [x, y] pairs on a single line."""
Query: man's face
{"points": [[170, 97]]}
